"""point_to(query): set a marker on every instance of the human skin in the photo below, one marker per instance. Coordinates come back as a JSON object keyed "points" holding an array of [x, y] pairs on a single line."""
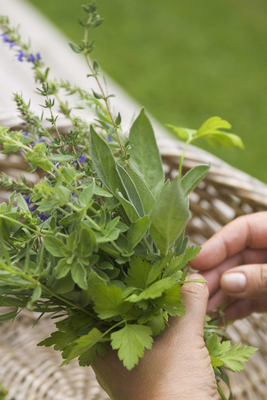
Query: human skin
{"points": [[233, 262], [178, 366]]}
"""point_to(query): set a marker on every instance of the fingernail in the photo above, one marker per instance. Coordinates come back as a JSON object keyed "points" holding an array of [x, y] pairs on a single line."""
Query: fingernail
{"points": [[234, 282]]}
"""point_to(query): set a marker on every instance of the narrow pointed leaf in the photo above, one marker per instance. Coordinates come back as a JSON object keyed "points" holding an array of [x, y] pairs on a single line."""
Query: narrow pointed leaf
{"points": [[193, 177]]}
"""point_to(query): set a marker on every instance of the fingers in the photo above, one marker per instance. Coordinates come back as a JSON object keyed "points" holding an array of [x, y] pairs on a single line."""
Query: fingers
{"points": [[243, 308], [246, 231], [195, 297], [246, 281]]}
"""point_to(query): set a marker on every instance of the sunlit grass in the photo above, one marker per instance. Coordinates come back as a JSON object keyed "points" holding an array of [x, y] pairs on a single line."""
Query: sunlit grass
{"points": [[186, 61]]}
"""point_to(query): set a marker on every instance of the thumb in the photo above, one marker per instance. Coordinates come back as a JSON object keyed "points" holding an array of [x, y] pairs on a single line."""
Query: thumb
{"points": [[195, 297], [246, 281]]}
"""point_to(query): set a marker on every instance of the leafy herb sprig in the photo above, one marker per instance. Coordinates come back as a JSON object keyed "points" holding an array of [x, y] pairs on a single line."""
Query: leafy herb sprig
{"points": [[99, 242]]}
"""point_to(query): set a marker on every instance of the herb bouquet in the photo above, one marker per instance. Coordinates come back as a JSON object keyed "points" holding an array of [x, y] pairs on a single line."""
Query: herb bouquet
{"points": [[99, 242]]}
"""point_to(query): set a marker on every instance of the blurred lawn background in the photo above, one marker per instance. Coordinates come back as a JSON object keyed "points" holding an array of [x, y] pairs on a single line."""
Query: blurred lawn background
{"points": [[186, 61]]}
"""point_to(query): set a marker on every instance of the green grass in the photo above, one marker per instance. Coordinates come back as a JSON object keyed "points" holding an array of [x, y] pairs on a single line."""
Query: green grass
{"points": [[186, 61]]}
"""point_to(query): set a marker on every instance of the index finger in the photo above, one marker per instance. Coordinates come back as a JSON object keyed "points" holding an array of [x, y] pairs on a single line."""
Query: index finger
{"points": [[246, 231]]}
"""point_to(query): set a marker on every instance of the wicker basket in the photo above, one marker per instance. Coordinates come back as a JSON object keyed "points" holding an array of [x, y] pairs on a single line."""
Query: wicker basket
{"points": [[32, 373]]}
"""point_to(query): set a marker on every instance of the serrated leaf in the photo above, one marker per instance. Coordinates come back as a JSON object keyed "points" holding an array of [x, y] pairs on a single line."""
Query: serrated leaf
{"points": [[153, 291], [89, 356], [169, 216], [53, 245], [180, 262], [108, 301], [144, 155], [210, 130], [84, 343], [193, 177], [171, 301], [181, 133], [137, 273], [156, 323], [131, 341]]}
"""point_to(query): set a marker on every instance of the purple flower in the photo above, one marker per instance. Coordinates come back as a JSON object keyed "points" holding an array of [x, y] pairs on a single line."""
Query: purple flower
{"points": [[38, 56], [24, 123], [109, 139], [26, 133], [5, 37], [41, 139], [74, 195], [20, 55], [31, 58], [27, 199], [42, 217], [81, 159]]}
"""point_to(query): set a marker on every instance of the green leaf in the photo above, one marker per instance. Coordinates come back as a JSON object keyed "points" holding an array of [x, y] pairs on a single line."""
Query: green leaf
{"points": [[131, 341], [181, 133], [63, 285], [209, 130], [131, 190], [171, 301], [104, 163], [128, 207], [137, 273], [89, 356], [62, 269], [108, 301], [101, 192], [137, 231], [148, 200], [63, 195], [79, 275], [193, 177], [10, 202], [8, 316], [70, 218], [153, 291], [61, 157], [233, 358], [84, 247], [156, 323], [169, 216], [22, 203], [75, 48], [86, 195], [144, 155], [180, 262], [53, 245], [84, 343]]}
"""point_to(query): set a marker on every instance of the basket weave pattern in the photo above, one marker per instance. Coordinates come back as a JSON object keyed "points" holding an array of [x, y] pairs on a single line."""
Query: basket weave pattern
{"points": [[32, 373]]}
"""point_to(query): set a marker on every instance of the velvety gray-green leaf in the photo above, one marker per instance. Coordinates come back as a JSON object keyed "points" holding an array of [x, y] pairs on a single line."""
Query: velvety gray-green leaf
{"points": [[169, 216], [144, 155], [193, 177]]}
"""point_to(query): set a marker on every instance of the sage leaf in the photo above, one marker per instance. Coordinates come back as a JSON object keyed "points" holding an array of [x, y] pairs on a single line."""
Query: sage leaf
{"points": [[144, 155], [128, 207], [137, 231], [169, 216], [104, 163], [193, 177], [131, 190]]}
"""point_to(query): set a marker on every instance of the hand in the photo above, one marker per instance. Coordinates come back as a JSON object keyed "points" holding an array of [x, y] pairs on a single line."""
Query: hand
{"points": [[177, 367], [233, 262]]}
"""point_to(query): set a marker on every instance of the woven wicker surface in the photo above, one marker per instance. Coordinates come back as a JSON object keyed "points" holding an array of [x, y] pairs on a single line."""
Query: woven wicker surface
{"points": [[32, 373]]}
